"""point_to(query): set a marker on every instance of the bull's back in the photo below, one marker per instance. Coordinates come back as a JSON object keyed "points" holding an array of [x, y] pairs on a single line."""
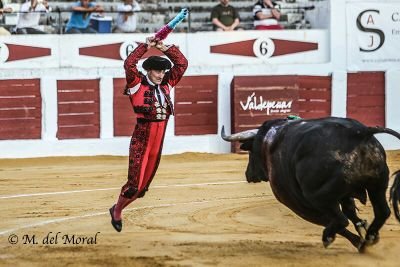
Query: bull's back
{"points": [[326, 158], [338, 147]]}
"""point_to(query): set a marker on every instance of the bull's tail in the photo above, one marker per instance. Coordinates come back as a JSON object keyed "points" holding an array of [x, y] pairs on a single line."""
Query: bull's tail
{"points": [[377, 130], [395, 194], [395, 189]]}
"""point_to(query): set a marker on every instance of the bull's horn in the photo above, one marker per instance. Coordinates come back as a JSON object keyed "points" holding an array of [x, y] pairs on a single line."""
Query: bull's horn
{"points": [[242, 136]]}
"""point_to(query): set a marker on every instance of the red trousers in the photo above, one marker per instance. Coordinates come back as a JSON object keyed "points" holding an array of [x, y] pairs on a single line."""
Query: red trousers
{"points": [[144, 158]]}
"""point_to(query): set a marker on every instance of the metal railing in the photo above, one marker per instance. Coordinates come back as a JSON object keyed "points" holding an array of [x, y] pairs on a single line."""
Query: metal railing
{"points": [[147, 20], [58, 18]]}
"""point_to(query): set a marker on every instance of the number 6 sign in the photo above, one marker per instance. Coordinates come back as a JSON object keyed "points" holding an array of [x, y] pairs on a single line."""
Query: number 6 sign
{"points": [[263, 47]]}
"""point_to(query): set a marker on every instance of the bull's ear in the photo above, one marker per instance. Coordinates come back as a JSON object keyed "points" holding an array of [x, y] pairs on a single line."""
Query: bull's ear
{"points": [[247, 145]]}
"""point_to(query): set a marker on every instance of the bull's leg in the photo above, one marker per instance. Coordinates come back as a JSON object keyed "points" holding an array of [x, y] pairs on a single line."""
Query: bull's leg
{"points": [[381, 208], [349, 209], [338, 223], [356, 240]]}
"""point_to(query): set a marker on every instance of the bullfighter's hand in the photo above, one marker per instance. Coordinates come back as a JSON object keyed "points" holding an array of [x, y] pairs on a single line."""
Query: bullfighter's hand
{"points": [[150, 41], [161, 46]]}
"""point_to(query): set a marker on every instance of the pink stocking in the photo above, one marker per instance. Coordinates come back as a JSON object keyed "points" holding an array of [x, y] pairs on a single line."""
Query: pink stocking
{"points": [[121, 204]]}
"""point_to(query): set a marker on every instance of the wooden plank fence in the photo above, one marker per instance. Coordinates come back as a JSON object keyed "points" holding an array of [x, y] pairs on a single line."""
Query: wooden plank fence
{"points": [[20, 109], [78, 109], [256, 99], [366, 97]]}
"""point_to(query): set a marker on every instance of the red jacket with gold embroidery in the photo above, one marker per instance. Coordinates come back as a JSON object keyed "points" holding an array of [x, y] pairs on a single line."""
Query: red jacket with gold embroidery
{"points": [[142, 95]]}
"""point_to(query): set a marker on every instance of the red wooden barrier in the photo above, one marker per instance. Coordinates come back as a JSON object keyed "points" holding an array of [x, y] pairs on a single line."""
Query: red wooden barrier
{"points": [[78, 109], [366, 97], [20, 109], [124, 116], [260, 98], [196, 105], [314, 96]]}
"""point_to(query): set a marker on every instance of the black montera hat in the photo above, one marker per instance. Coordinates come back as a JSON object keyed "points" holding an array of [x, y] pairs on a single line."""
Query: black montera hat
{"points": [[156, 63]]}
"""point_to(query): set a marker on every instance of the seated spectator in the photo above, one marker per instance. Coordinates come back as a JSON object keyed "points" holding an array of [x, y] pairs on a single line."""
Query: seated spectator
{"points": [[28, 19], [266, 15], [80, 17], [126, 20], [4, 9], [225, 17]]}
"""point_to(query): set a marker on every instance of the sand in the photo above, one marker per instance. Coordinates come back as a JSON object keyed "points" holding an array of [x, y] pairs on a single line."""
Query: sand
{"points": [[199, 211]]}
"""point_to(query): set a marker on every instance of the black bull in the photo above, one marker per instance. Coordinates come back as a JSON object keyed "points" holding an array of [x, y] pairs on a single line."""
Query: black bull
{"points": [[318, 167]]}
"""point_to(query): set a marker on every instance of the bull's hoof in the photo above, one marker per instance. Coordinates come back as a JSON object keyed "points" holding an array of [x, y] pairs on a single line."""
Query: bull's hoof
{"points": [[362, 246], [372, 239], [369, 241], [327, 241]]}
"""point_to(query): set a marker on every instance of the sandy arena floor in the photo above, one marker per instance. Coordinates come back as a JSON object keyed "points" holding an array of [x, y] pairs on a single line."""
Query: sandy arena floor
{"points": [[199, 212]]}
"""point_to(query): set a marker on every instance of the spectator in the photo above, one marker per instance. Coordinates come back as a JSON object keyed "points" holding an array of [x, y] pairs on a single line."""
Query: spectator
{"points": [[225, 17], [28, 19], [126, 20], [266, 15], [80, 17], [4, 9]]}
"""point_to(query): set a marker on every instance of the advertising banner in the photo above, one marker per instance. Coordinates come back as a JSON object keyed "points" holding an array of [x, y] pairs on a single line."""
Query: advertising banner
{"points": [[29, 52], [373, 35], [201, 49]]}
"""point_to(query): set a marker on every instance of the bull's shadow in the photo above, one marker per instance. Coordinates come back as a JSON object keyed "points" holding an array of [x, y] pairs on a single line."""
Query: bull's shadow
{"points": [[318, 167]]}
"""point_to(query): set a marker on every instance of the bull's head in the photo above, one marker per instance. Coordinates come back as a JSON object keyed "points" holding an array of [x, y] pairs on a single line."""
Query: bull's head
{"points": [[256, 169]]}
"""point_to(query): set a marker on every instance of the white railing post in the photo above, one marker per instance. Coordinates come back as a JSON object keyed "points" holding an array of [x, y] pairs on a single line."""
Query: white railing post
{"points": [[48, 91], [106, 107]]}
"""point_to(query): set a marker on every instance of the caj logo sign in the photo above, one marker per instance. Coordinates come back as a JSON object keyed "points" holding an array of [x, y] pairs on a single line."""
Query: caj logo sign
{"points": [[366, 22]]}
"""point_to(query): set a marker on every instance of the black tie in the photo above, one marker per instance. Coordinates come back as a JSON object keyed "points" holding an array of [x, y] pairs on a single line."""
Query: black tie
{"points": [[158, 94]]}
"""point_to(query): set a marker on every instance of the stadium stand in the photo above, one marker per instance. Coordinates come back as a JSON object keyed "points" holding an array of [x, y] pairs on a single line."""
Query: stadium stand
{"points": [[156, 13]]}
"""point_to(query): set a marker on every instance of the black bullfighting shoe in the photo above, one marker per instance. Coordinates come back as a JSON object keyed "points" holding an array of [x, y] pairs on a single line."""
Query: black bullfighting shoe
{"points": [[116, 224]]}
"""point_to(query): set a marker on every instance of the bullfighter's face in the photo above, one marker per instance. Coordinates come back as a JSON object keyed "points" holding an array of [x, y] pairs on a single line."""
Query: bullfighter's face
{"points": [[156, 76]]}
